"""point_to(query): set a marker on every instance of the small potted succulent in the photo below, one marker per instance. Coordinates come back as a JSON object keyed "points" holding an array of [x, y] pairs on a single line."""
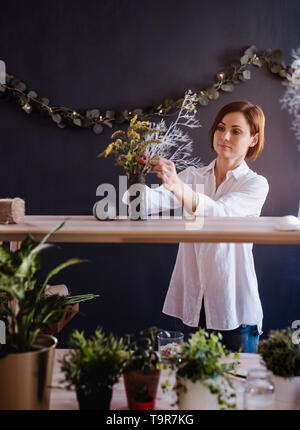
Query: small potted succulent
{"points": [[203, 377], [142, 370], [280, 352], [26, 359], [93, 366]]}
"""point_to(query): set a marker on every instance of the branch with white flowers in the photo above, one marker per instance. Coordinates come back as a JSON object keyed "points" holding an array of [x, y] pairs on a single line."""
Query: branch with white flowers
{"points": [[291, 99], [175, 144]]}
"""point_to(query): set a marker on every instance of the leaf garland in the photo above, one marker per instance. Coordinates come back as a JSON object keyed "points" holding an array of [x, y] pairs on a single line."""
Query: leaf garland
{"points": [[93, 119]]}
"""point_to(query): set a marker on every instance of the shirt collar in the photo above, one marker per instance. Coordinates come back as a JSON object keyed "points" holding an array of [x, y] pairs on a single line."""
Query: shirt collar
{"points": [[238, 172]]}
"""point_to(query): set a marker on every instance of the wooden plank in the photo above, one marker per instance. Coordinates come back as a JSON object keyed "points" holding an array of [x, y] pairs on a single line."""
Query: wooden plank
{"points": [[86, 229]]}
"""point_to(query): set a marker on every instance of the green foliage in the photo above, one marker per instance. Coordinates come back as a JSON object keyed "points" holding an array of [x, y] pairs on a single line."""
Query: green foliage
{"points": [[200, 359], [95, 120], [23, 304], [93, 363], [280, 354], [141, 352]]}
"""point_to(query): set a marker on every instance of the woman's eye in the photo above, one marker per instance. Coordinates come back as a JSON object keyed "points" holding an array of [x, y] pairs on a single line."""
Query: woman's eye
{"points": [[236, 131], [220, 128]]}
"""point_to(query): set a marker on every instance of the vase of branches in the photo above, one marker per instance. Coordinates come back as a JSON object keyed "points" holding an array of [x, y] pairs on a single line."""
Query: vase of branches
{"points": [[147, 140], [127, 147], [137, 196]]}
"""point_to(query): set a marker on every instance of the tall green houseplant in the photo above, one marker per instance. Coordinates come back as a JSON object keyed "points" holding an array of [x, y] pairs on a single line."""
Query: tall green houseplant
{"points": [[24, 306]]}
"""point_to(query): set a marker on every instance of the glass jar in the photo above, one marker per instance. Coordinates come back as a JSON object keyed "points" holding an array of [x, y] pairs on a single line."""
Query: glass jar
{"points": [[169, 344], [259, 390]]}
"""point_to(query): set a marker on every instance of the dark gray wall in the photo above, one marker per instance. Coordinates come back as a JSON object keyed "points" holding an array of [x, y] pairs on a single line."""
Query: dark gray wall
{"points": [[114, 54]]}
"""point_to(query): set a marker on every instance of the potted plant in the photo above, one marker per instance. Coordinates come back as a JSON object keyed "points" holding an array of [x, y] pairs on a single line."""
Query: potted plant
{"points": [[145, 140], [142, 370], [127, 148], [281, 355], [26, 360], [93, 366], [203, 379]]}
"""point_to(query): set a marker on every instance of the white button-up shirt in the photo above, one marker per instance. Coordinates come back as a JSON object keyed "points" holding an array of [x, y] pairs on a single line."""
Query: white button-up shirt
{"points": [[222, 274]]}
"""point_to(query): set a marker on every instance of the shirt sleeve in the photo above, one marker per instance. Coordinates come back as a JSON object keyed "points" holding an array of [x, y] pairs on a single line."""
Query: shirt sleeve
{"points": [[248, 201], [160, 198]]}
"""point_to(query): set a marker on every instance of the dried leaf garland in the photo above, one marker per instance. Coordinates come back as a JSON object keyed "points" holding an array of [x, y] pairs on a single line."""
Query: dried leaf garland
{"points": [[93, 119]]}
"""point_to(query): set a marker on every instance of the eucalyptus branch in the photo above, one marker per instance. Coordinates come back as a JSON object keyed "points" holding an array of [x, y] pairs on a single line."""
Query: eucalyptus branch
{"points": [[96, 120]]}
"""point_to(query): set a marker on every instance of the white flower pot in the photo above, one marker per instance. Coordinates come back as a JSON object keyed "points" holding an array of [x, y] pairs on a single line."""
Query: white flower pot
{"points": [[287, 392], [198, 396]]}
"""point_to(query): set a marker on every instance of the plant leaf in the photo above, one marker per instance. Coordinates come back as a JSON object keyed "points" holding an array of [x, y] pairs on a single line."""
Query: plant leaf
{"points": [[247, 74], [97, 129], [250, 51], [61, 267], [77, 121], [244, 60], [227, 87]]}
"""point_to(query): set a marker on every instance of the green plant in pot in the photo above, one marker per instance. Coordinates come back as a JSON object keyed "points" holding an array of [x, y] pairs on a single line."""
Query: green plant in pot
{"points": [[26, 360], [93, 366], [203, 374], [280, 352], [142, 370]]}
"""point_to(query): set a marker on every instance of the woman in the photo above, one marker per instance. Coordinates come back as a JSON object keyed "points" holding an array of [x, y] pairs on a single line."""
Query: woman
{"points": [[214, 285]]}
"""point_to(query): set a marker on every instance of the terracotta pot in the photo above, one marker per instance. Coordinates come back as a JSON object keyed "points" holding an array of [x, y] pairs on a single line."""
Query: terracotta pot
{"points": [[136, 381], [137, 197], [143, 406], [26, 377]]}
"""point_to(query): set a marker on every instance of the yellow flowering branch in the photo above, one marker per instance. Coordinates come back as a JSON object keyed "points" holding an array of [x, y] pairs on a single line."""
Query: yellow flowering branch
{"points": [[128, 147]]}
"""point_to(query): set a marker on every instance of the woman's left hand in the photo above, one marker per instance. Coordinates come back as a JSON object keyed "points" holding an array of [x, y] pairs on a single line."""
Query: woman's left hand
{"points": [[166, 171]]}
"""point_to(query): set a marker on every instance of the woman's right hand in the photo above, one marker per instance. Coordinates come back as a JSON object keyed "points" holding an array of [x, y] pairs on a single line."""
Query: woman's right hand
{"points": [[144, 158]]}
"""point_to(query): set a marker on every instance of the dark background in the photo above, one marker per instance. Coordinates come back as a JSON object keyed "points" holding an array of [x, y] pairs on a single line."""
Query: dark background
{"points": [[117, 54]]}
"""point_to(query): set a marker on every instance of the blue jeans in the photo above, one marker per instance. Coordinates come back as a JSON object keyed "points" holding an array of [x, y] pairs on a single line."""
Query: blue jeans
{"points": [[245, 337]]}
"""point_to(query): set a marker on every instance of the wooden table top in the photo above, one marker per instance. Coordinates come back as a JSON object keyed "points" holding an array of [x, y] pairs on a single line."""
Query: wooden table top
{"points": [[87, 229]]}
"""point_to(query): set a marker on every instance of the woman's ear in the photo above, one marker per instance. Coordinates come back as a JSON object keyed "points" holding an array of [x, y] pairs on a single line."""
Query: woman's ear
{"points": [[254, 140]]}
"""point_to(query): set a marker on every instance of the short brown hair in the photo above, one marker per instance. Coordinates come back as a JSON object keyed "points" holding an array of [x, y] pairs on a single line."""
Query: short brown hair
{"points": [[256, 120]]}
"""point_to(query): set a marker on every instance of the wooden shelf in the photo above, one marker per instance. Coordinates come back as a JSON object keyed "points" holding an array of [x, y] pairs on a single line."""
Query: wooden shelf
{"points": [[86, 229]]}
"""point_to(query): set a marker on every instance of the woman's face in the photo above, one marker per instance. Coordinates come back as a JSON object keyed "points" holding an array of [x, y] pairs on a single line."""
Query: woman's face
{"points": [[232, 137]]}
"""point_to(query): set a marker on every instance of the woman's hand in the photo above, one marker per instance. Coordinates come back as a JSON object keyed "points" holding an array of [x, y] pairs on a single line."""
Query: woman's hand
{"points": [[166, 171], [144, 158]]}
